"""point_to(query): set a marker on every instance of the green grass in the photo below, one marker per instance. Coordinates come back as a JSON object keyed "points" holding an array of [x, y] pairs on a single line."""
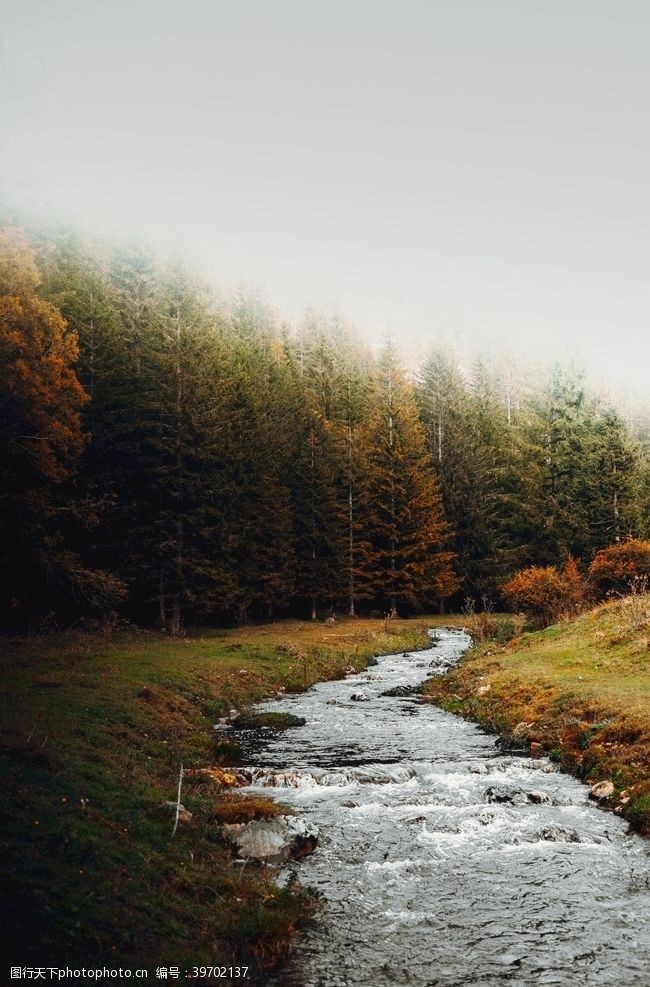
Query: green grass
{"points": [[579, 690], [93, 733]]}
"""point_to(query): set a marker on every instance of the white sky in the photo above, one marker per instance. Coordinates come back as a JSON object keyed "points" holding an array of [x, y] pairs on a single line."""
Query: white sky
{"points": [[469, 167]]}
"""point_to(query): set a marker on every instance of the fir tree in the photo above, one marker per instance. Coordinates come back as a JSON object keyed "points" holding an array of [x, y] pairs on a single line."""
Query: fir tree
{"points": [[403, 553]]}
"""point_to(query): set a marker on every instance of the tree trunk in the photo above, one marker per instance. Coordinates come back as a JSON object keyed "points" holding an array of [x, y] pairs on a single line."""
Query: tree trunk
{"points": [[161, 603], [174, 623]]}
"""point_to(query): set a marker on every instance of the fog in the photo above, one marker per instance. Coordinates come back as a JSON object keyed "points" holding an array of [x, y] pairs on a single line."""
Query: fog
{"points": [[474, 170]]}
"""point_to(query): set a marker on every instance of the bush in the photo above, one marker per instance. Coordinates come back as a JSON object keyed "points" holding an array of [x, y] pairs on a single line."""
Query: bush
{"points": [[505, 631], [546, 594], [621, 568]]}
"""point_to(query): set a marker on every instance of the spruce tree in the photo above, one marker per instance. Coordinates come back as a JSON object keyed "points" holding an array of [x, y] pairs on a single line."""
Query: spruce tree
{"points": [[404, 558]]}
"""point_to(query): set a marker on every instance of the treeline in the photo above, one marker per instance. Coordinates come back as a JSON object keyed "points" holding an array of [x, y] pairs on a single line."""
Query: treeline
{"points": [[176, 459]]}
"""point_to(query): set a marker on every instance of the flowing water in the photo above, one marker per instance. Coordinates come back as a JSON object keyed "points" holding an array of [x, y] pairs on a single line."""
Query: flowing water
{"points": [[442, 861]]}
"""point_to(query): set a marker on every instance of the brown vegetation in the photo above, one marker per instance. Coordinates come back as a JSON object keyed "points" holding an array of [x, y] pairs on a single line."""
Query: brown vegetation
{"points": [[620, 568], [545, 593]]}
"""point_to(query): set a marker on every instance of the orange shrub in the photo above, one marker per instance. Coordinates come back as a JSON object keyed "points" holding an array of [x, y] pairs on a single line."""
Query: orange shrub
{"points": [[620, 567], [574, 587], [544, 593]]}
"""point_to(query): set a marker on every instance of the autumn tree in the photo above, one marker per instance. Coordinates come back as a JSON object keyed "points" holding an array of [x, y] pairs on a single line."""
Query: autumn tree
{"points": [[404, 556], [41, 439]]}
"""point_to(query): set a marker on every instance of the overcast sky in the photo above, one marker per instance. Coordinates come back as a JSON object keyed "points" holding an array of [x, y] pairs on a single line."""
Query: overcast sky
{"points": [[477, 168]]}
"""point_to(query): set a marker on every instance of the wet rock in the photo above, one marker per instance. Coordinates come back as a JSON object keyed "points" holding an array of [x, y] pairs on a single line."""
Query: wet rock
{"points": [[267, 720], [559, 834], [602, 790], [227, 721], [538, 798], [230, 777], [371, 662], [403, 690], [271, 841], [359, 697], [505, 794], [277, 779]]}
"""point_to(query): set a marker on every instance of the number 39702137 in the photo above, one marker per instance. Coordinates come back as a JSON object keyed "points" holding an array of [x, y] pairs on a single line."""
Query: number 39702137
{"points": [[232, 972]]}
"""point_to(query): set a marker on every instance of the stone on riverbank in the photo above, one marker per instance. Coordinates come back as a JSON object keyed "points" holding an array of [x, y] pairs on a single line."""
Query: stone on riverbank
{"points": [[271, 841], [602, 790]]}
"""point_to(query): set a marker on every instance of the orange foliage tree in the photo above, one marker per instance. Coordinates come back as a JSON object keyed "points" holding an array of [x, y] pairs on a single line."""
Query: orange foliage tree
{"points": [[40, 421], [40, 395]]}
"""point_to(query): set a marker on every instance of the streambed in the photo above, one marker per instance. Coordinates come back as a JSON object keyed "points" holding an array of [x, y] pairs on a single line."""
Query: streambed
{"points": [[442, 861]]}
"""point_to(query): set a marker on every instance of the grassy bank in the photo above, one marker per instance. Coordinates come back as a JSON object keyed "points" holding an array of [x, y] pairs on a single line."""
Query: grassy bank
{"points": [[579, 691], [93, 733]]}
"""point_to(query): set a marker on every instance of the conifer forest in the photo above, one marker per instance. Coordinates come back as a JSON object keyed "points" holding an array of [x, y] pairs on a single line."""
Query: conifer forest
{"points": [[172, 458]]}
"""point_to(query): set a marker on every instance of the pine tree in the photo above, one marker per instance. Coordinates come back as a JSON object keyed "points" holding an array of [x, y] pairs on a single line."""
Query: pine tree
{"points": [[258, 521], [333, 374], [403, 553], [314, 509], [616, 498], [565, 415]]}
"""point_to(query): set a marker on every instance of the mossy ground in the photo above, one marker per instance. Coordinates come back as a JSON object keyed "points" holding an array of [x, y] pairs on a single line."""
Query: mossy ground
{"points": [[579, 690], [93, 733]]}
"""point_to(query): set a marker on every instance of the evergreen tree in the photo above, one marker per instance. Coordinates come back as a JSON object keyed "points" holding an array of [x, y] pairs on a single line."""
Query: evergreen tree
{"points": [[616, 498], [403, 555], [334, 373], [258, 519]]}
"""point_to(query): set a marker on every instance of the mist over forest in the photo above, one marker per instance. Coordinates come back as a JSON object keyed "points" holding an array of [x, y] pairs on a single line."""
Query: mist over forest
{"points": [[172, 458]]}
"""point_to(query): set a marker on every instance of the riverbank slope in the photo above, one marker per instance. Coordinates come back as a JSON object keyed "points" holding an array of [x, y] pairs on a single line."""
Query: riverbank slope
{"points": [[93, 734], [579, 691]]}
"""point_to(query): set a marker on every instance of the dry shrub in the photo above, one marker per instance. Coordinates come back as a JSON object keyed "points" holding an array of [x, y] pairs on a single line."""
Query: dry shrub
{"points": [[482, 625], [545, 594], [244, 808], [633, 613], [621, 568]]}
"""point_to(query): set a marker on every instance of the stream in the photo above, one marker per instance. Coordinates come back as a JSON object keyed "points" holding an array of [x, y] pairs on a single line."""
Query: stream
{"points": [[441, 860]]}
